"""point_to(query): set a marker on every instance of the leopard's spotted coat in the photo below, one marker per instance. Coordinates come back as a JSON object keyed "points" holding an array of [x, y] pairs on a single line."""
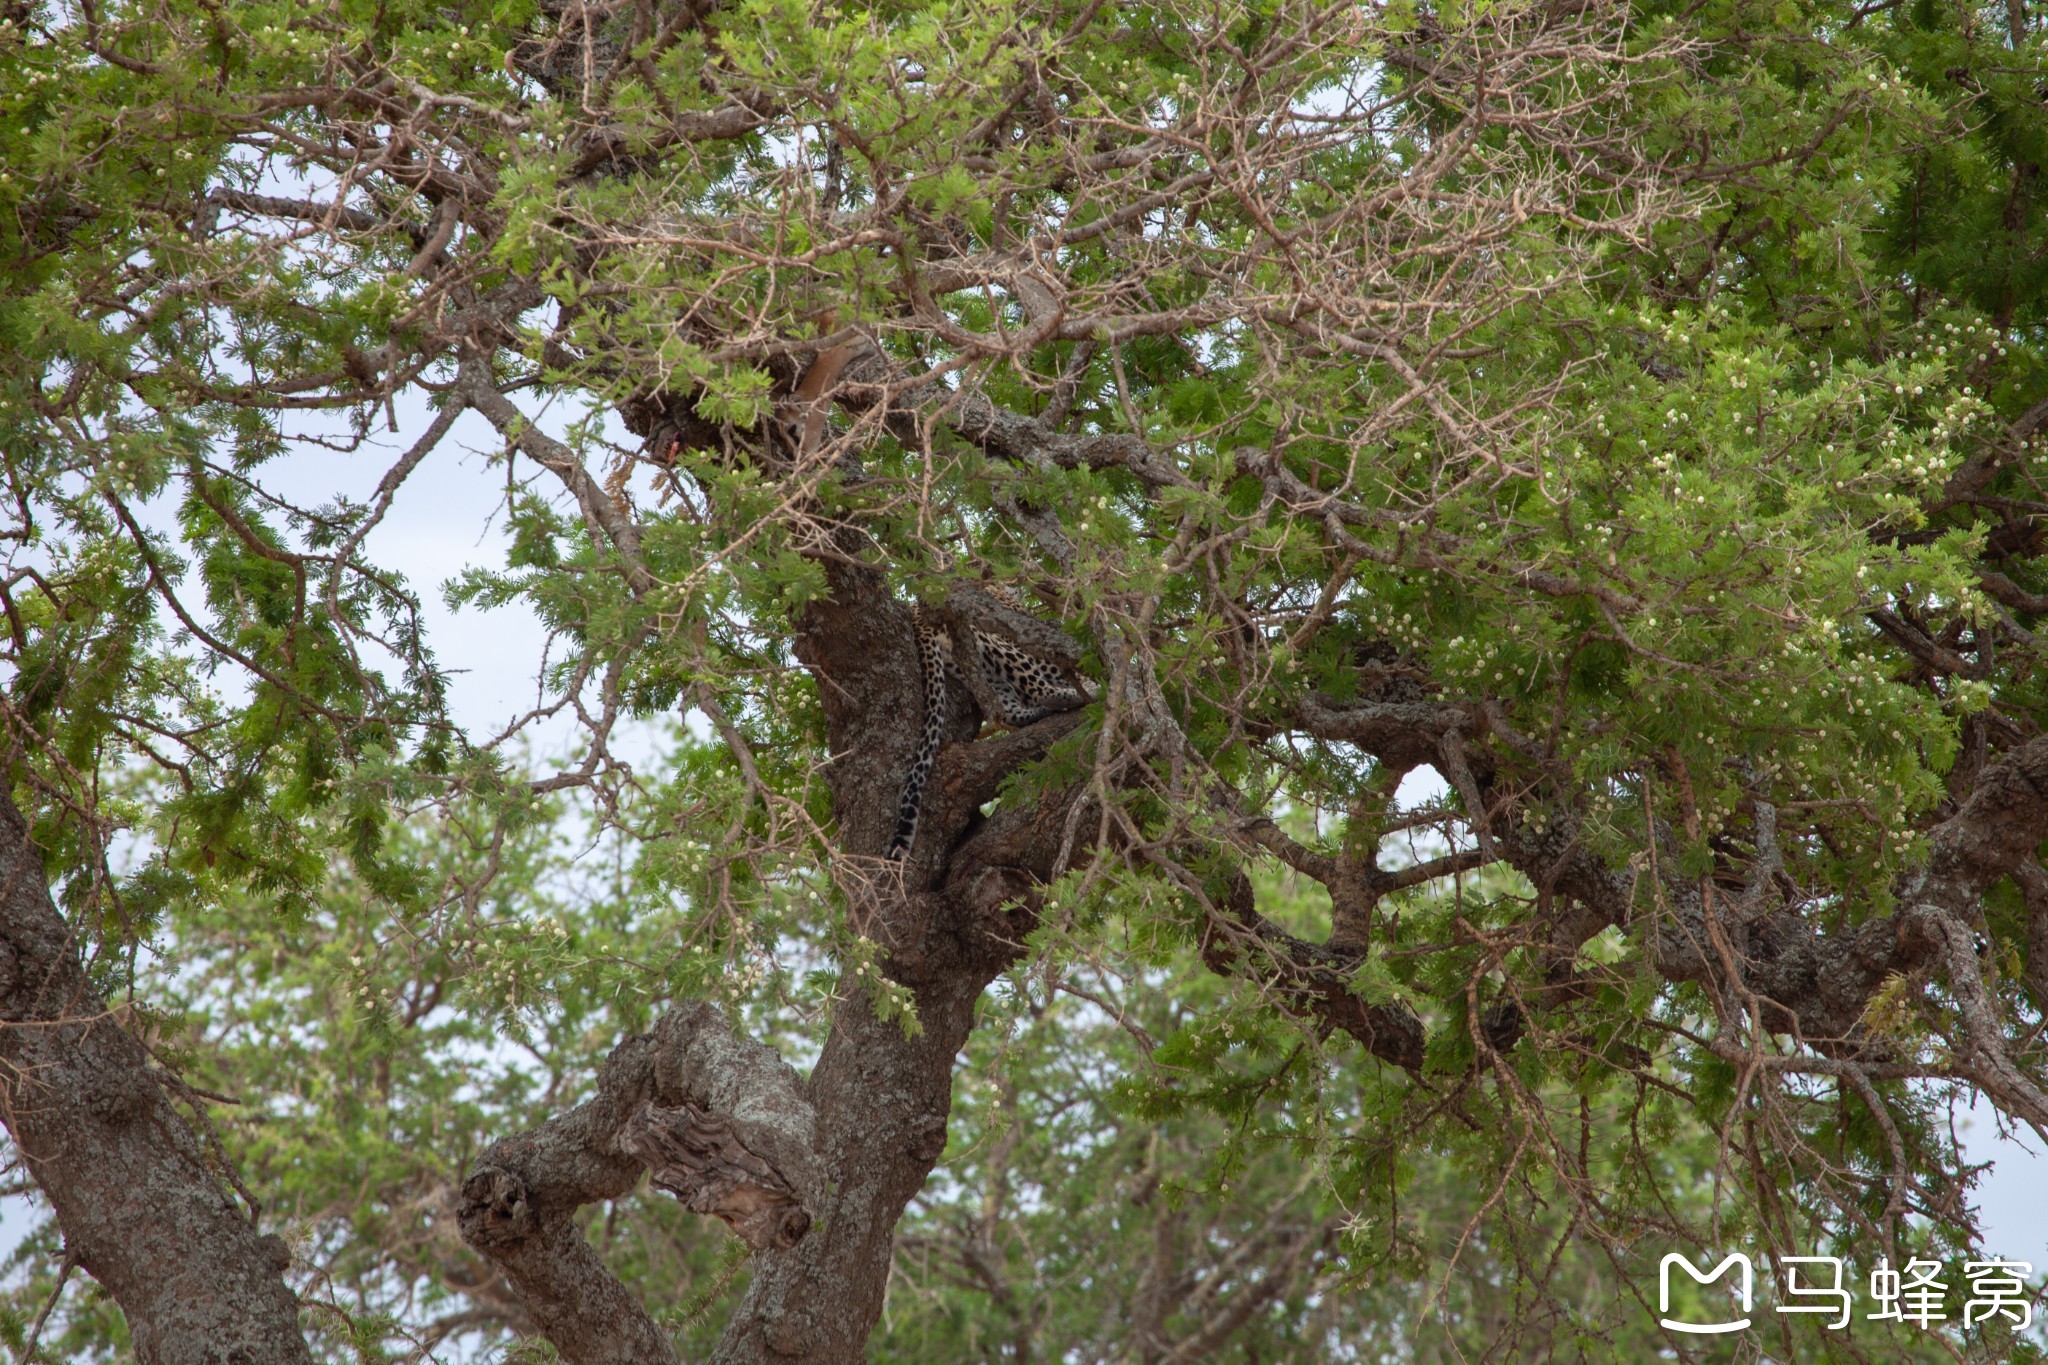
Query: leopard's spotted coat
{"points": [[1025, 688]]}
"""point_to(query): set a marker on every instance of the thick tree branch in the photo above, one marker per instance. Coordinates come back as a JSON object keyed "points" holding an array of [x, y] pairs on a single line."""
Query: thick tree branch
{"points": [[1986, 1055], [1821, 983], [139, 1207], [721, 1121], [326, 216], [1316, 981]]}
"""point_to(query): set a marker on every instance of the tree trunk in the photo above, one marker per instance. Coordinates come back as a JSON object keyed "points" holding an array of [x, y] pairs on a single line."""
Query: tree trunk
{"points": [[140, 1209], [856, 1141], [882, 1102]]}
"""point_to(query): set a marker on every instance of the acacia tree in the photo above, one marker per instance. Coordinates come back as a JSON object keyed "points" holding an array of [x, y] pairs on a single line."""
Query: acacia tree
{"points": [[1629, 417]]}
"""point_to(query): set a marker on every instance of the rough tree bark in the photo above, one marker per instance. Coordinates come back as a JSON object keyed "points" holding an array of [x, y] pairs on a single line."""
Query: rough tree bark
{"points": [[140, 1207], [967, 899], [854, 1143], [721, 1122]]}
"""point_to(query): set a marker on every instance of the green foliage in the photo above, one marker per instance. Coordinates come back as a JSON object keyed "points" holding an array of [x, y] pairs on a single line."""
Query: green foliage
{"points": [[1776, 289]]}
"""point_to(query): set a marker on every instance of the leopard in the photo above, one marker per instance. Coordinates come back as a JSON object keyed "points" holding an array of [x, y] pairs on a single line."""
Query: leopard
{"points": [[1024, 687]]}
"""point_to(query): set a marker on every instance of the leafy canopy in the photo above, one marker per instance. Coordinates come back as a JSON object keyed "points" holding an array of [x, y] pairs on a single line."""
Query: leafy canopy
{"points": [[1626, 414]]}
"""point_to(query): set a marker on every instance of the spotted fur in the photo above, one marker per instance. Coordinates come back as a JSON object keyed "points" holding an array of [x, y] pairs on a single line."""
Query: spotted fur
{"points": [[1026, 689]]}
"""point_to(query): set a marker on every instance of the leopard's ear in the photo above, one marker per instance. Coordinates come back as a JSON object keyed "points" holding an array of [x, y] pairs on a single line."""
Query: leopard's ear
{"points": [[1009, 594], [982, 609]]}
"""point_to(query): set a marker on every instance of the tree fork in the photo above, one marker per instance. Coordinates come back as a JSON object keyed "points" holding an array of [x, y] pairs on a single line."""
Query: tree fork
{"points": [[722, 1122]]}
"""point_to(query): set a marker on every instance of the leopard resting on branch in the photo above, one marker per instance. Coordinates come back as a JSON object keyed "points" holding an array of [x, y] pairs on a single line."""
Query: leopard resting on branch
{"points": [[1023, 670]]}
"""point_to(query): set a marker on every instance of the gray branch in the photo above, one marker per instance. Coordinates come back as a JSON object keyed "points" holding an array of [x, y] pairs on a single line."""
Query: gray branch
{"points": [[722, 1122]]}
